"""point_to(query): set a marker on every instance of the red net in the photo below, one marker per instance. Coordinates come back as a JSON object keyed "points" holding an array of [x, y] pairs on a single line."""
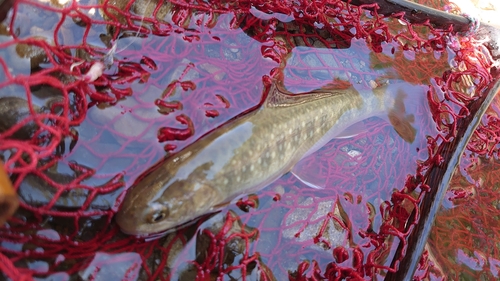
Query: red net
{"points": [[73, 139]]}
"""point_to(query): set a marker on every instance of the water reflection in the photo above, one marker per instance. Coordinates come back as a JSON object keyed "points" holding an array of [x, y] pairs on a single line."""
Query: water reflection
{"points": [[195, 68]]}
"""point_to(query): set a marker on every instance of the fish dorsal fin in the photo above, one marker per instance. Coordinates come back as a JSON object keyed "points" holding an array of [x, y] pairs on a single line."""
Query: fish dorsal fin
{"points": [[278, 96]]}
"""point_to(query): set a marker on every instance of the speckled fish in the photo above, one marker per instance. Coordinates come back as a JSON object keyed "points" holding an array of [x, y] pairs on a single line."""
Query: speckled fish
{"points": [[251, 152]]}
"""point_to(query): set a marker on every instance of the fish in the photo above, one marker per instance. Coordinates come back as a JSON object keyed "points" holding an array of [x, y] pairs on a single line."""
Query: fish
{"points": [[250, 152]]}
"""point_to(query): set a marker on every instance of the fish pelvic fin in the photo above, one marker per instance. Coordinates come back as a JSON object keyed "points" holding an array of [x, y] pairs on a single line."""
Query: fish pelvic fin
{"points": [[308, 175], [278, 96], [400, 120]]}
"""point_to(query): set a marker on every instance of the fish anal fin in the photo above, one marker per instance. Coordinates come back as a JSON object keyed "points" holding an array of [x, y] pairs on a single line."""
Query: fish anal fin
{"points": [[278, 96]]}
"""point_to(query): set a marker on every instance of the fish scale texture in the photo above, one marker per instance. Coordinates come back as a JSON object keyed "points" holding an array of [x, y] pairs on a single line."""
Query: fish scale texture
{"points": [[183, 68]]}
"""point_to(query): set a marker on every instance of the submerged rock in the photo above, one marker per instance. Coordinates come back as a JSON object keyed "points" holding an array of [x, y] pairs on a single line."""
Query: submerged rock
{"points": [[14, 110], [36, 191], [35, 54], [233, 246], [305, 223], [225, 241]]}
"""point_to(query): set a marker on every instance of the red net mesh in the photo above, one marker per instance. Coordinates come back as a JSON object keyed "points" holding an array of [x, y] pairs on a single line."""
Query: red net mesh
{"points": [[73, 141]]}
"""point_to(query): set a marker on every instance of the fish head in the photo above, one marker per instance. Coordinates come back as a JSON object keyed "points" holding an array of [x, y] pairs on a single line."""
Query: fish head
{"points": [[156, 205]]}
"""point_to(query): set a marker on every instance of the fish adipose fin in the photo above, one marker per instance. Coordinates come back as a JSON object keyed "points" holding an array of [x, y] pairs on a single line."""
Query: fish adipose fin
{"points": [[278, 96], [400, 120]]}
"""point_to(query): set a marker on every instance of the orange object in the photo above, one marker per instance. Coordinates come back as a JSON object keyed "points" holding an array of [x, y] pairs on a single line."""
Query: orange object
{"points": [[8, 196]]}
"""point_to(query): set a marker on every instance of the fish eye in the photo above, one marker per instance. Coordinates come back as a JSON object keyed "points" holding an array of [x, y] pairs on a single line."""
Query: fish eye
{"points": [[159, 216], [159, 213]]}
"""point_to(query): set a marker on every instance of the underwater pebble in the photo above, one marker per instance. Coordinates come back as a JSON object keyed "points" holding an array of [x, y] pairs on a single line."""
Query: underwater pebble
{"points": [[333, 234], [175, 248], [35, 54], [233, 247], [14, 108], [279, 189], [12, 111], [49, 234], [35, 191]]}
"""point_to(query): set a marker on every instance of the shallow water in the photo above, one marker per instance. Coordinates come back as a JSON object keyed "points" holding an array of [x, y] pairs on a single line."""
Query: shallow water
{"points": [[184, 84]]}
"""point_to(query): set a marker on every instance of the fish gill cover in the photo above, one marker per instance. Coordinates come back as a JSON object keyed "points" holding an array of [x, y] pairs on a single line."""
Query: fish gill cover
{"points": [[73, 139]]}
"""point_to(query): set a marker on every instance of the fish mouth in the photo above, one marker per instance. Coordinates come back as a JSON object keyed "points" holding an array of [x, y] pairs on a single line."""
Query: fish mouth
{"points": [[155, 236], [128, 225], [147, 236]]}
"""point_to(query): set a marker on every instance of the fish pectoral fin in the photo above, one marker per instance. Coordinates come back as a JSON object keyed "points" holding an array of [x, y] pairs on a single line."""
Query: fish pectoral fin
{"points": [[279, 96], [309, 175], [220, 206], [400, 120]]}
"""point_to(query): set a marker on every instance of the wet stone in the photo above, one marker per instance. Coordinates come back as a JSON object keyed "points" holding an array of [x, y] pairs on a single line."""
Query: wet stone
{"points": [[175, 244], [35, 191], [166, 253], [14, 110], [232, 248], [34, 53], [333, 234]]}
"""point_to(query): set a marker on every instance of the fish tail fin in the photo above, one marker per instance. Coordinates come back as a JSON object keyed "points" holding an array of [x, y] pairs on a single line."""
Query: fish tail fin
{"points": [[400, 119]]}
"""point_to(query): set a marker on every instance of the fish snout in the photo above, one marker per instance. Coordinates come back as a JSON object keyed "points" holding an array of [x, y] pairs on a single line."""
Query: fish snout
{"points": [[127, 222]]}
